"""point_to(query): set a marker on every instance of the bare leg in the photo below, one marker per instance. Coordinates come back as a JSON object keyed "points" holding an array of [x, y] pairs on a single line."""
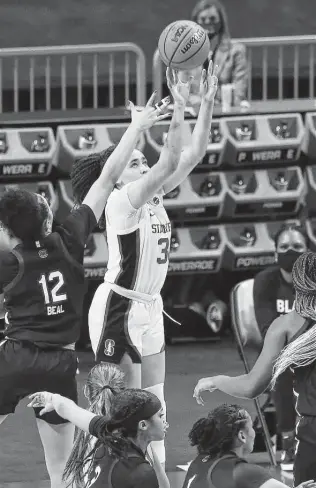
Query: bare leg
{"points": [[132, 372], [153, 379], [57, 442]]}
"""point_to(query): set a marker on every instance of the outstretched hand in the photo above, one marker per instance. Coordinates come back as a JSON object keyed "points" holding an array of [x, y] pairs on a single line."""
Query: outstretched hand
{"points": [[42, 399], [148, 116], [204, 384], [179, 90], [209, 82]]}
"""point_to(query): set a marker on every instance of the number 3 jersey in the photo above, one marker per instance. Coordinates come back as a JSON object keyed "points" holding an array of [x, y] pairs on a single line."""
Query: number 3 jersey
{"points": [[138, 243], [43, 284]]}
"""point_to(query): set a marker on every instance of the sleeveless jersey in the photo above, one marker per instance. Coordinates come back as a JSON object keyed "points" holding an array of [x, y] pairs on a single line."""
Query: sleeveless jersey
{"points": [[305, 393], [138, 243], [43, 302], [131, 471], [227, 471]]}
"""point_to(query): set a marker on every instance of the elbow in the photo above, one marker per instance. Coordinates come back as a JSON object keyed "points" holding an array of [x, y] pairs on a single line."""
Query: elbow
{"points": [[173, 162], [255, 390]]}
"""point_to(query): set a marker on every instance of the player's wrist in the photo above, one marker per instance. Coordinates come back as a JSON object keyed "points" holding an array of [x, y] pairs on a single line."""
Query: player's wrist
{"points": [[137, 126]]}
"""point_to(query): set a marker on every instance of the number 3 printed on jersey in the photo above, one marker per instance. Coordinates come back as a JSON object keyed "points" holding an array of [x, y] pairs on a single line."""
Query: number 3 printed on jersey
{"points": [[164, 244], [53, 295]]}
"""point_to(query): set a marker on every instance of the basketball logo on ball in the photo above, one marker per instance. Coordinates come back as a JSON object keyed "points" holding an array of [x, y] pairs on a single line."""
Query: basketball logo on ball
{"points": [[184, 45]]}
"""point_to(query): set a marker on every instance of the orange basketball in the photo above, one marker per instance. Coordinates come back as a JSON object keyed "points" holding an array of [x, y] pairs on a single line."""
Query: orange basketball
{"points": [[183, 45]]}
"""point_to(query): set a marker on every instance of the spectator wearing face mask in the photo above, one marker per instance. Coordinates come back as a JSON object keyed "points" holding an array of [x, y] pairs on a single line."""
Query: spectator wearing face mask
{"points": [[230, 57], [274, 295]]}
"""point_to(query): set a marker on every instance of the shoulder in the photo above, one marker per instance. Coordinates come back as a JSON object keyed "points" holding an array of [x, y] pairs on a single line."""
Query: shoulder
{"points": [[143, 475], [250, 475], [119, 196], [281, 327], [7, 258], [270, 275], [238, 47], [82, 210]]}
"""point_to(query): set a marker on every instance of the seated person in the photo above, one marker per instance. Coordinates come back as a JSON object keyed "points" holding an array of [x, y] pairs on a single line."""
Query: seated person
{"points": [[223, 439], [228, 56], [273, 295]]}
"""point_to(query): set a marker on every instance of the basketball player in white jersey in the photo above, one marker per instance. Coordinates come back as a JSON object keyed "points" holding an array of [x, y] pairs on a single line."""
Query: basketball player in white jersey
{"points": [[126, 314]]}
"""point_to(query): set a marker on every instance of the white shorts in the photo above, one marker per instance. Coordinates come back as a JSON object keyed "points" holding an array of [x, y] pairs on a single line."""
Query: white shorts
{"points": [[119, 325]]}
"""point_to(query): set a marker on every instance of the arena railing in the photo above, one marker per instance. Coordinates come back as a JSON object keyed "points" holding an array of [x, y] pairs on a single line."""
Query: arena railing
{"points": [[34, 69], [289, 57]]}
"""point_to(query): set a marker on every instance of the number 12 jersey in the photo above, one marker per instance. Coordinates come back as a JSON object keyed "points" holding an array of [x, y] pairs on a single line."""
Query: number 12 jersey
{"points": [[43, 284], [138, 243]]}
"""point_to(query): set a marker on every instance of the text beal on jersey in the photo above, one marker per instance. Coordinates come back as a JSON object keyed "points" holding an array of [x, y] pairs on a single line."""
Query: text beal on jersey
{"points": [[55, 310]]}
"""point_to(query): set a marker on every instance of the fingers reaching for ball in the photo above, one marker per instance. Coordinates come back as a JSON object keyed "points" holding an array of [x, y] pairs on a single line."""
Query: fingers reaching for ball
{"points": [[180, 90], [209, 82]]}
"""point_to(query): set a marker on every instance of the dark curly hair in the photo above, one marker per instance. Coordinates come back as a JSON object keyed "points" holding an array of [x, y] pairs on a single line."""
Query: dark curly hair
{"points": [[85, 172], [288, 227], [215, 434], [114, 430], [22, 214]]}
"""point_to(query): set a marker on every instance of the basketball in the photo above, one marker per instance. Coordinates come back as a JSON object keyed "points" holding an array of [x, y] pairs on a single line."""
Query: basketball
{"points": [[183, 45]]}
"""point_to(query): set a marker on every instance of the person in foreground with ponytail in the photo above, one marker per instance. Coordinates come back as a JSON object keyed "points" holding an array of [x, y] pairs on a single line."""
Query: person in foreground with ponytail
{"points": [[115, 433], [223, 439], [290, 342]]}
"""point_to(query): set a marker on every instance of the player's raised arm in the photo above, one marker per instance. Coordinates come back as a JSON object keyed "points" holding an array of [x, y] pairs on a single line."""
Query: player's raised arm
{"points": [[194, 153], [257, 380], [142, 190], [99, 192]]}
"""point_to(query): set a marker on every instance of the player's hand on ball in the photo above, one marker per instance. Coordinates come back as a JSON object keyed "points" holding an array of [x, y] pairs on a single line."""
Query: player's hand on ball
{"points": [[150, 114], [204, 384], [43, 399], [179, 90], [209, 82]]}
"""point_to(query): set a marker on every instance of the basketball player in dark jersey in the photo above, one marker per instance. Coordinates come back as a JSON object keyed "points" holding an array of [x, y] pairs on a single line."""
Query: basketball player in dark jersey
{"points": [[273, 295], [223, 439], [289, 343], [119, 457], [42, 286]]}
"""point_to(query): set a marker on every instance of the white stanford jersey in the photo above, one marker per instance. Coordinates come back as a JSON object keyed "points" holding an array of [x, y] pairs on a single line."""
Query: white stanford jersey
{"points": [[138, 243]]}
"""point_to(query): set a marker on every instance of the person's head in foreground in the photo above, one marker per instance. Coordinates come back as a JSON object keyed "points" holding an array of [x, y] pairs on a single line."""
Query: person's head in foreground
{"points": [[223, 439], [25, 216], [132, 416], [302, 351], [227, 428], [104, 381], [291, 241], [86, 171]]}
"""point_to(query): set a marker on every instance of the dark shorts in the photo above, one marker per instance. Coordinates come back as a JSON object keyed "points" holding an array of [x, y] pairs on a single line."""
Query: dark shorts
{"points": [[305, 463], [26, 369], [115, 340], [305, 458]]}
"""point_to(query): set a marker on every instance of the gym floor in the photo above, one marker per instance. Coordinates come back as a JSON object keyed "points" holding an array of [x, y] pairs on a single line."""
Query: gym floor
{"points": [[21, 456]]}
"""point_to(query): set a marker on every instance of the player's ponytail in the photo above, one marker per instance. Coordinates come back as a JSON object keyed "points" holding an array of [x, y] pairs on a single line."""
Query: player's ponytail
{"points": [[85, 172], [104, 381], [215, 434]]}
